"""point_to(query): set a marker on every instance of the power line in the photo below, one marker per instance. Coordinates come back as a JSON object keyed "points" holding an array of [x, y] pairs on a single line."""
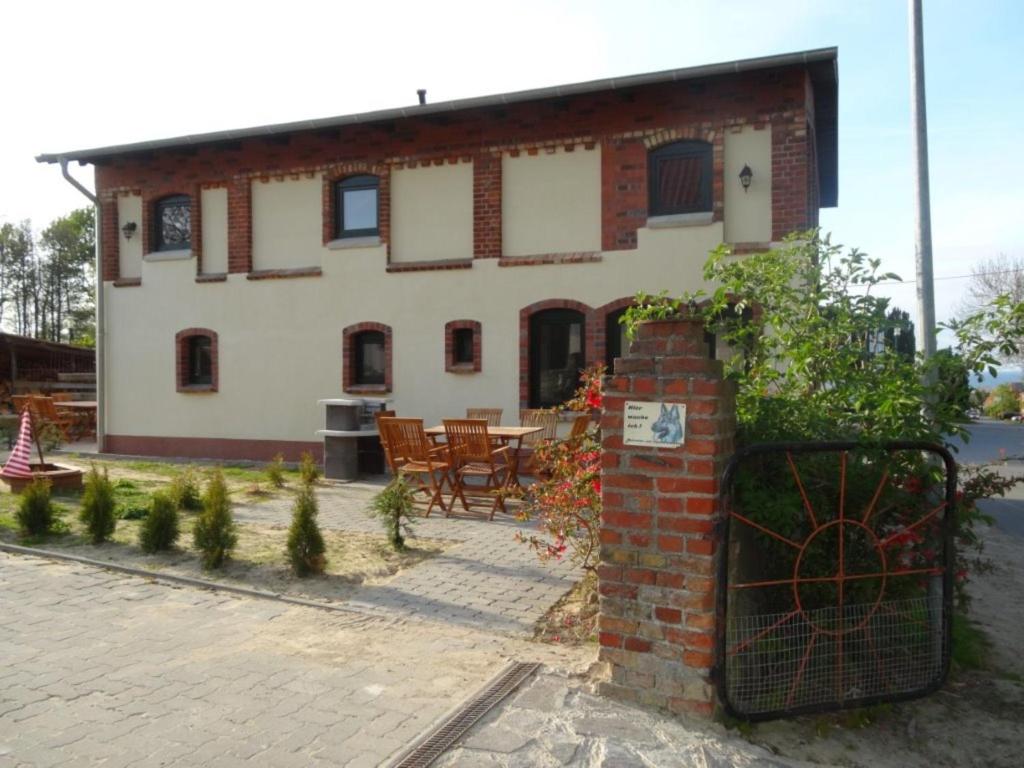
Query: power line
{"points": [[950, 277]]}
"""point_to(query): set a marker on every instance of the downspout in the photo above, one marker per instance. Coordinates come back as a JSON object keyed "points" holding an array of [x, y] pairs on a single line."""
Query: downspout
{"points": [[101, 336]]}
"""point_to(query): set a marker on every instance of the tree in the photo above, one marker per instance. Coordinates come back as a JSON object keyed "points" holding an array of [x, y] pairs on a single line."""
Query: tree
{"points": [[19, 274], [1000, 275], [1003, 399], [67, 277]]}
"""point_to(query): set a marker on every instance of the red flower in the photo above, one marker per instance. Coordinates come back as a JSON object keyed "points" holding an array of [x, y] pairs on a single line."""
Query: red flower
{"points": [[596, 485]]}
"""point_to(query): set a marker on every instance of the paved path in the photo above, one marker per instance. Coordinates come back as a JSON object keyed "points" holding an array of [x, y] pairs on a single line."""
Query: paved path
{"points": [[99, 668], [487, 581]]}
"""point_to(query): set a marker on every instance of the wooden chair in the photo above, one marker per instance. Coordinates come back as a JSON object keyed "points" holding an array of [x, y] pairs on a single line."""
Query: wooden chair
{"points": [[580, 425], [414, 456], [491, 415], [21, 402], [536, 417], [377, 416], [473, 455], [62, 397], [66, 423]]}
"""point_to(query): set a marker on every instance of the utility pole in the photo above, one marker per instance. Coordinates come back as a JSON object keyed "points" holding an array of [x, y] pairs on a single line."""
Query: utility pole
{"points": [[923, 218]]}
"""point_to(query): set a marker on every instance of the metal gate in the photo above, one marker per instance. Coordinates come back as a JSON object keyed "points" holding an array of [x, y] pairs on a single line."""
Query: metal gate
{"points": [[838, 576]]}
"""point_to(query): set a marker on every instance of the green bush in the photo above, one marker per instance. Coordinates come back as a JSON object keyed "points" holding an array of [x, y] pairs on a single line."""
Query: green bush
{"points": [[309, 472], [185, 490], [1002, 400], [305, 542], [214, 531], [393, 507], [275, 471], [98, 511], [35, 514], [159, 530]]}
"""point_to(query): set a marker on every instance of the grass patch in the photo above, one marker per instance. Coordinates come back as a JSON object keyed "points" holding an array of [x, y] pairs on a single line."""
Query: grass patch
{"points": [[971, 647]]}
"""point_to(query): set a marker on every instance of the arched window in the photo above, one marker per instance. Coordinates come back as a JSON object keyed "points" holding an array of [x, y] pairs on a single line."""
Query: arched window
{"points": [[462, 345], [557, 356], [366, 365], [196, 360], [172, 228], [679, 178], [356, 206]]}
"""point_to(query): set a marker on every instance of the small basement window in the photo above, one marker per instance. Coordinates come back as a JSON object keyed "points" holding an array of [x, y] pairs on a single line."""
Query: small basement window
{"points": [[462, 346]]}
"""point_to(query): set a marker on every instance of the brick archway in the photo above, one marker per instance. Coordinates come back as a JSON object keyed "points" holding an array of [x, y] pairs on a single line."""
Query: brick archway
{"points": [[524, 337], [601, 321]]}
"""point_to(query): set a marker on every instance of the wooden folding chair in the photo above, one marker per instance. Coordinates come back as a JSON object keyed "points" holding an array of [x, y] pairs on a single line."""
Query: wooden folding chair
{"points": [[473, 455], [580, 425], [377, 416], [21, 402], [491, 415], [47, 411], [536, 417], [415, 457]]}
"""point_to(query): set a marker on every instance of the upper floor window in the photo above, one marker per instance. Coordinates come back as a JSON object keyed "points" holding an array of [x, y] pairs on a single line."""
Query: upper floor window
{"points": [[355, 206], [679, 175], [173, 230]]}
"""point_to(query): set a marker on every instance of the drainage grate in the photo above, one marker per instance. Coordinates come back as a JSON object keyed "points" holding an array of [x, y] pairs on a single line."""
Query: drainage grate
{"points": [[465, 717]]}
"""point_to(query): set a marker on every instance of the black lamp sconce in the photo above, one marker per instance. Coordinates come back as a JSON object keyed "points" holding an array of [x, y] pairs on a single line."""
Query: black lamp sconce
{"points": [[129, 229], [746, 176]]}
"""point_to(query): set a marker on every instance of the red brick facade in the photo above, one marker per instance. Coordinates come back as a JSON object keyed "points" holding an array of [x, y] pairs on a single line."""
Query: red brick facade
{"points": [[348, 336], [659, 549], [625, 123]]}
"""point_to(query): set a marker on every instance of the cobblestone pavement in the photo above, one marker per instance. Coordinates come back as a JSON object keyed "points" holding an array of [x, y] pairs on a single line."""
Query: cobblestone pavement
{"points": [[100, 668], [487, 581]]}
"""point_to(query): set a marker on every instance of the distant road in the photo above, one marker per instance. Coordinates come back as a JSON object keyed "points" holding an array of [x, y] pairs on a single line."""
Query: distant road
{"points": [[990, 442]]}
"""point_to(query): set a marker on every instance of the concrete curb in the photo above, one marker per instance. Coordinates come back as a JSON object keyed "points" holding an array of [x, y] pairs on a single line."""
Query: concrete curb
{"points": [[187, 581]]}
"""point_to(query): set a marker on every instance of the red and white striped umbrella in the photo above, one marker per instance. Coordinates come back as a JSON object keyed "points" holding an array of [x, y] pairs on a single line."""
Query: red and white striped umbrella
{"points": [[17, 465]]}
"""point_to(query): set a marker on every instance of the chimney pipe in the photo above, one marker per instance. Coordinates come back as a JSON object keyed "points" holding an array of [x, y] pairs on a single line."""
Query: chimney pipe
{"points": [[422, 93]]}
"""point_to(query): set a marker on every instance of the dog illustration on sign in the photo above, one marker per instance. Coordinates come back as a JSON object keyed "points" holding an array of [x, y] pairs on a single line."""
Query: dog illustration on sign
{"points": [[668, 428]]}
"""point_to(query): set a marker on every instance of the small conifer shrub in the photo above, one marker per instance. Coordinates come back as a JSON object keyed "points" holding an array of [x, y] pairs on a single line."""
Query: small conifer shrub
{"points": [[35, 514], [305, 542], [185, 490], [275, 471], [159, 530], [394, 508], [99, 507], [214, 531], [309, 472]]}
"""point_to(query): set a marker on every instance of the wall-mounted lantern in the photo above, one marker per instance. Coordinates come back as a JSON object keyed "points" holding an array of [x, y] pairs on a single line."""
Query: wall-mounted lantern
{"points": [[746, 176], [129, 229]]}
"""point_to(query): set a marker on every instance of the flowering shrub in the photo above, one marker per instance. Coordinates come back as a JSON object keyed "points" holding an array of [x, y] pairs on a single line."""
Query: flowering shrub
{"points": [[566, 501]]}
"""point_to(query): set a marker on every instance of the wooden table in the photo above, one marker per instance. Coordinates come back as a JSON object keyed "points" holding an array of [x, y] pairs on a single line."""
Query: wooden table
{"points": [[511, 436], [85, 407]]}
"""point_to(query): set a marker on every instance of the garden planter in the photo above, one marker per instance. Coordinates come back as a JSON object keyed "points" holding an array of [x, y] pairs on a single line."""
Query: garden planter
{"points": [[61, 478]]}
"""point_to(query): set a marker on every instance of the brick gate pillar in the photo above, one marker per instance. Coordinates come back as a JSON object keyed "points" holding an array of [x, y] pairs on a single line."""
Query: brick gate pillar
{"points": [[659, 550]]}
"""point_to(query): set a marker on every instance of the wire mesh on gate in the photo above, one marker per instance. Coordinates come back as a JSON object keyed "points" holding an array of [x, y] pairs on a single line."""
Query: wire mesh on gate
{"points": [[837, 574]]}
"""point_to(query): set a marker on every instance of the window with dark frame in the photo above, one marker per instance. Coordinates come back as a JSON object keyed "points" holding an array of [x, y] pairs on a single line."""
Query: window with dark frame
{"points": [[556, 356], [368, 358], [356, 206], [462, 343], [679, 177], [173, 229], [200, 361]]}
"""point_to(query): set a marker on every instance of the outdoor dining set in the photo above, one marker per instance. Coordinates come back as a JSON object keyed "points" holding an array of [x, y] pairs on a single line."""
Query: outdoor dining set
{"points": [[479, 458], [71, 419]]}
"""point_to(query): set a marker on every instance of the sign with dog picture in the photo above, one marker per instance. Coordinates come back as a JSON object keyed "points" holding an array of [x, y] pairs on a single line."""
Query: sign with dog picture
{"points": [[655, 425]]}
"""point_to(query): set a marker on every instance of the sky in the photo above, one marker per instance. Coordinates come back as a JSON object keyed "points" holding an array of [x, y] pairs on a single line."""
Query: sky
{"points": [[78, 75]]}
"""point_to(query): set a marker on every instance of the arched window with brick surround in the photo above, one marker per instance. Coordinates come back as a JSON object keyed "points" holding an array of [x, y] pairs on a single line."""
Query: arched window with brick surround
{"points": [[462, 346], [366, 358], [196, 366]]}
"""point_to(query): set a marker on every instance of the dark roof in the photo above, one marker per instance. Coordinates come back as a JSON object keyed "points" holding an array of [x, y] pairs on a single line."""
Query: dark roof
{"points": [[27, 342], [821, 64]]}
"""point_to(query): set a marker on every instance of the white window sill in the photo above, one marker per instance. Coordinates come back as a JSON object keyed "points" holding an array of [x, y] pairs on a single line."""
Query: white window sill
{"points": [[354, 242], [179, 255], [680, 220]]}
